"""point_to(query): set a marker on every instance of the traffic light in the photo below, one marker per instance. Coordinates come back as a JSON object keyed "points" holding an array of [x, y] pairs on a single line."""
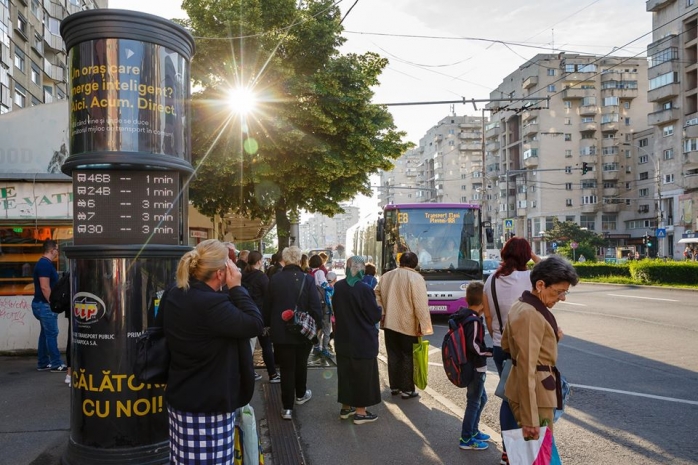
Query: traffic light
{"points": [[585, 168], [649, 241]]}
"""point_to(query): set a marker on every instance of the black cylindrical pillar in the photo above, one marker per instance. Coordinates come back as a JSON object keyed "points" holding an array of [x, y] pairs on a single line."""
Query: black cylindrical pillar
{"points": [[129, 160]]}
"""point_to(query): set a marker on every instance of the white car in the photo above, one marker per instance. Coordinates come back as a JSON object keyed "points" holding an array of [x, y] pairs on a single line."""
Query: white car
{"points": [[489, 266]]}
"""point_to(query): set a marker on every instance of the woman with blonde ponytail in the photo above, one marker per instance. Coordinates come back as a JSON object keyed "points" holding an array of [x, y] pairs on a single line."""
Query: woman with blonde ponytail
{"points": [[211, 371]]}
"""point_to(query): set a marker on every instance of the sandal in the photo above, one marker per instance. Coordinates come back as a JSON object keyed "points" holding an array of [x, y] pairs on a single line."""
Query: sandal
{"points": [[410, 395], [394, 392]]}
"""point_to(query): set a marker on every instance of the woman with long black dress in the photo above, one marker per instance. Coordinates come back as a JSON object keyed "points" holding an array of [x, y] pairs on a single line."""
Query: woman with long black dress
{"points": [[356, 339]]}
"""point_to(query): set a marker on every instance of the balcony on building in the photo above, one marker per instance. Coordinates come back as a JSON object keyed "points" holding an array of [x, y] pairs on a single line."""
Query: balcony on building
{"points": [[609, 142], [492, 130], [588, 110], [470, 135], [438, 137], [690, 159], [690, 127], [589, 126], [656, 5], [588, 207], [610, 175], [521, 212], [492, 146], [55, 72], [530, 158], [611, 207], [611, 191], [52, 41], [55, 9], [664, 92], [625, 93], [48, 98], [576, 93], [530, 128], [610, 126], [662, 117], [529, 82], [588, 146], [666, 42], [690, 181], [470, 146]]}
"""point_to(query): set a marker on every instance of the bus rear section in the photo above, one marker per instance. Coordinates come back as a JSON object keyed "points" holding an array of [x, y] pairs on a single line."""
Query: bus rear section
{"points": [[447, 241]]}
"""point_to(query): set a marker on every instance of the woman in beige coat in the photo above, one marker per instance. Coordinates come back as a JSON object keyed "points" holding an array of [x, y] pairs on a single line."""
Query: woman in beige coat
{"points": [[402, 296], [531, 335]]}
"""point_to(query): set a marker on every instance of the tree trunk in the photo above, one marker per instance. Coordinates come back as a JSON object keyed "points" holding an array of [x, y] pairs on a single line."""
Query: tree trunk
{"points": [[283, 226]]}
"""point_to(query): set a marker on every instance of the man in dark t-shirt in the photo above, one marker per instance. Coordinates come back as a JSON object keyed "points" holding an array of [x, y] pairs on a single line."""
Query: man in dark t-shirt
{"points": [[45, 277]]}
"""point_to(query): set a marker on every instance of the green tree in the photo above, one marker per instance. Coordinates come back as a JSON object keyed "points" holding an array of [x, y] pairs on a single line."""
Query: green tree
{"points": [[566, 233], [315, 137]]}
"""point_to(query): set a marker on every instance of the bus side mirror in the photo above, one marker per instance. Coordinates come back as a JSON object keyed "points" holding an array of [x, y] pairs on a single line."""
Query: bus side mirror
{"points": [[380, 229]]}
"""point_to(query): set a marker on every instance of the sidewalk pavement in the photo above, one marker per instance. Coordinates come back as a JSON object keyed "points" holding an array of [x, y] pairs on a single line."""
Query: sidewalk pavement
{"points": [[35, 424]]}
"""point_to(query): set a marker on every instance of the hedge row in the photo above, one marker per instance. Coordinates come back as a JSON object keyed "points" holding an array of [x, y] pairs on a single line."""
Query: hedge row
{"points": [[643, 271]]}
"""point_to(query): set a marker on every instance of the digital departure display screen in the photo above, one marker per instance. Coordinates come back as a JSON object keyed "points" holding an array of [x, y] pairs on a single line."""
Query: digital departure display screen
{"points": [[126, 207]]}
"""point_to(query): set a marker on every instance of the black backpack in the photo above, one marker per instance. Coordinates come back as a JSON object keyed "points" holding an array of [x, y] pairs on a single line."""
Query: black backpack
{"points": [[454, 352], [60, 294]]}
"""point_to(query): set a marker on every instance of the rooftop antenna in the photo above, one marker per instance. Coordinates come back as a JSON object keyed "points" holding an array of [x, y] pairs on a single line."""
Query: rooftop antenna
{"points": [[553, 30], [453, 110]]}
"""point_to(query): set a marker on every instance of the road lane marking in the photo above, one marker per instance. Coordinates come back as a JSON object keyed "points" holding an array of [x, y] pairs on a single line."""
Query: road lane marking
{"points": [[636, 394], [646, 298], [571, 303]]}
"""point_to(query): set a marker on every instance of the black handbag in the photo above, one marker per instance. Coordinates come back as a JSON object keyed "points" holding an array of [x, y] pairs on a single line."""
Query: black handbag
{"points": [[152, 362]]}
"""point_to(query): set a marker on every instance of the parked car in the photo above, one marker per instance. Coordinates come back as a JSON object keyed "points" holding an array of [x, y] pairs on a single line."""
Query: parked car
{"points": [[339, 264], [489, 266]]}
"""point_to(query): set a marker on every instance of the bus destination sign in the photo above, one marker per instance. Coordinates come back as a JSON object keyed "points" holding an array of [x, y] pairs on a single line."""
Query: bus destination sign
{"points": [[125, 207]]}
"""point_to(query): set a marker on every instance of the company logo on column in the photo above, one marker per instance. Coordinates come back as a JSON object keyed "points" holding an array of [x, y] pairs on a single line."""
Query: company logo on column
{"points": [[88, 308]]}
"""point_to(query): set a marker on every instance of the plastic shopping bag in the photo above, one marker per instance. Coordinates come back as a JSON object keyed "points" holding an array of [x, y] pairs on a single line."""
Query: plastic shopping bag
{"points": [[541, 451], [420, 358], [247, 446]]}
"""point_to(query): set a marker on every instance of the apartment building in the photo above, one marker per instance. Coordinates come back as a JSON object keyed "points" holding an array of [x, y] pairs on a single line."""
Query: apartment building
{"points": [[32, 54], [445, 167], [567, 155], [672, 155], [321, 231]]}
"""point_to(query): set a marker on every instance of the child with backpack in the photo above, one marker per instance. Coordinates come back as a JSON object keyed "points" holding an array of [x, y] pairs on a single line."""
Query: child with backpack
{"points": [[477, 353]]}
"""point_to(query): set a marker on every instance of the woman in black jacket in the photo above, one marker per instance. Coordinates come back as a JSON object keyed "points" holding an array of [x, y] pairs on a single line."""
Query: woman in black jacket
{"points": [[356, 339], [256, 283], [288, 289], [211, 372]]}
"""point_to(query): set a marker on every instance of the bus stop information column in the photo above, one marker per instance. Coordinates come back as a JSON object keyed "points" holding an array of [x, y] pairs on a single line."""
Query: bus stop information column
{"points": [[129, 160]]}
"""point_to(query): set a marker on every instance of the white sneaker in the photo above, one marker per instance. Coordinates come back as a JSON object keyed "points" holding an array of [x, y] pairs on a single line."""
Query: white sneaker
{"points": [[302, 400], [67, 380], [287, 414]]}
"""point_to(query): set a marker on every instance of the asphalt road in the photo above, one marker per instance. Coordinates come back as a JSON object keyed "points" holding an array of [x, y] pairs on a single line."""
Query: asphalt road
{"points": [[630, 354]]}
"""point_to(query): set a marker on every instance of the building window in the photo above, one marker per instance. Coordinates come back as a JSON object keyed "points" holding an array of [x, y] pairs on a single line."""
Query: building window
{"points": [[568, 186], [22, 25], [644, 192], [626, 105], [608, 222], [664, 80], [36, 8], [627, 121], [568, 169], [551, 88], [668, 130], [587, 221], [463, 200], [19, 59], [644, 176], [568, 137], [690, 2], [38, 43], [668, 179], [610, 101], [568, 202], [627, 186], [668, 154], [20, 96], [568, 104], [662, 56], [643, 159], [36, 74], [551, 71], [568, 153], [588, 199], [568, 121], [643, 142]]}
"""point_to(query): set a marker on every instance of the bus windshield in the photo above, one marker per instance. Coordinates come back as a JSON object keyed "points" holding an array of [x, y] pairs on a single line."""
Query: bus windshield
{"points": [[446, 239]]}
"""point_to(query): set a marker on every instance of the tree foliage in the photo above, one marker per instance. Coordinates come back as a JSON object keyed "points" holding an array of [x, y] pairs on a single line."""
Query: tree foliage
{"points": [[568, 232], [315, 137]]}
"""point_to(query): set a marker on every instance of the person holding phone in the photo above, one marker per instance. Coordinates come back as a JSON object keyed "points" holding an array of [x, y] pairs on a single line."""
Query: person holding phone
{"points": [[211, 370]]}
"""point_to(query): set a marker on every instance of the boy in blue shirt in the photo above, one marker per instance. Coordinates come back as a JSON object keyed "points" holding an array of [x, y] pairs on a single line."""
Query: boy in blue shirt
{"points": [[471, 437]]}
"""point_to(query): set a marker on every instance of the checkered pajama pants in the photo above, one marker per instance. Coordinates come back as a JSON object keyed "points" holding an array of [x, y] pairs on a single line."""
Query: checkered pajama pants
{"points": [[200, 438]]}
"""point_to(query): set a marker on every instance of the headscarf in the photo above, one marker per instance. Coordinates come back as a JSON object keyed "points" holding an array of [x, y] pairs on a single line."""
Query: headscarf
{"points": [[355, 272]]}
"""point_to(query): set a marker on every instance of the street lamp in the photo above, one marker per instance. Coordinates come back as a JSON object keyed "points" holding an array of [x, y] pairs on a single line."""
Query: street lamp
{"points": [[658, 176]]}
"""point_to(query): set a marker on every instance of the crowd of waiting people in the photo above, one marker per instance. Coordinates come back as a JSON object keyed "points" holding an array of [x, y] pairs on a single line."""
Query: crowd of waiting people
{"points": [[224, 302]]}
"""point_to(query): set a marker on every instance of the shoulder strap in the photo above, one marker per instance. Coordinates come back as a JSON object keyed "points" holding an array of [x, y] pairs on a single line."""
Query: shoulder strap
{"points": [[300, 291], [496, 305]]}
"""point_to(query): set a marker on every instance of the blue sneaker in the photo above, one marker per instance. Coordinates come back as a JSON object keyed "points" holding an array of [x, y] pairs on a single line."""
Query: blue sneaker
{"points": [[472, 444], [482, 437]]}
